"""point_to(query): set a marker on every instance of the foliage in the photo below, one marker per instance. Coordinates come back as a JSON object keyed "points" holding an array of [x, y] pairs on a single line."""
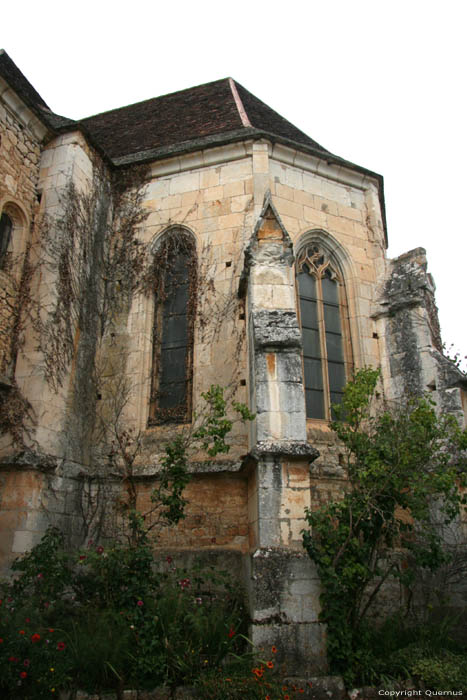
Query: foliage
{"points": [[107, 618], [209, 433], [404, 471]]}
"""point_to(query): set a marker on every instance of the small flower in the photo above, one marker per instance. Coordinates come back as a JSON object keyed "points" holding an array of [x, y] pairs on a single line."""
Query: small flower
{"points": [[22, 632], [300, 690], [132, 627], [51, 630], [1, 640], [198, 601], [82, 557], [270, 664], [26, 662], [61, 646], [268, 697], [39, 576], [23, 674], [286, 697], [35, 637], [274, 650], [11, 658], [140, 603], [169, 560], [231, 632], [52, 670], [100, 550]]}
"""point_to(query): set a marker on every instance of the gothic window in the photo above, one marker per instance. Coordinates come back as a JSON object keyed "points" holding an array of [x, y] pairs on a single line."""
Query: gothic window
{"points": [[174, 310], [6, 226], [325, 336]]}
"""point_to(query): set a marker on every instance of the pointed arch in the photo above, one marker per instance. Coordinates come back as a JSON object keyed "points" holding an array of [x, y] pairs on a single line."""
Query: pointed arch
{"points": [[175, 281], [324, 320]]}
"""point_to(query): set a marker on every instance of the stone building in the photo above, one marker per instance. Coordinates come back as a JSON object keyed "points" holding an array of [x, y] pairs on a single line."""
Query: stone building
{"points": [[283, 246]]}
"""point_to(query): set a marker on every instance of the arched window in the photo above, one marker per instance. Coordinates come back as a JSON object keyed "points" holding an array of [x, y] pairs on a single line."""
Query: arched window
{"points": [[174, 311], [6, 226], [325, 334]]}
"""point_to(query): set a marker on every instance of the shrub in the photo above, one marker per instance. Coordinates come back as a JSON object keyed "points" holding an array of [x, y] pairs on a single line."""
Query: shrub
{"points": [[104, 618]]}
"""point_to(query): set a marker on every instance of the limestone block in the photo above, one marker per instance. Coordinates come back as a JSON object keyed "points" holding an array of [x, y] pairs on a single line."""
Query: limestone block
{"points": [[304, 198], [213, 193], [184, 183], [24, 541], [239, 170]]}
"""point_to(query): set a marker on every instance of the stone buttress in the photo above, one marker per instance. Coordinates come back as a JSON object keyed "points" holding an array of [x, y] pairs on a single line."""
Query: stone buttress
{"points": [[283, 583]]}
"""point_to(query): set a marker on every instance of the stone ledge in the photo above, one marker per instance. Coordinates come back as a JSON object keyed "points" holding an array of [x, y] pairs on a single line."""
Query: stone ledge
{"points": [[284, 448]]}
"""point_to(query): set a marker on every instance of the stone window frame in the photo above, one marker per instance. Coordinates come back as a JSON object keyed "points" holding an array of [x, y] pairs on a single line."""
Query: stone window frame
{"points": [[337, 261], [156, 416], [17, 239]]}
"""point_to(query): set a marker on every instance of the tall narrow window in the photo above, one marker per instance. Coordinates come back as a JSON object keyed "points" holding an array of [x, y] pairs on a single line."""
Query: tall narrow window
{"points": [[174, 309], [323, 315], [6, 226]]}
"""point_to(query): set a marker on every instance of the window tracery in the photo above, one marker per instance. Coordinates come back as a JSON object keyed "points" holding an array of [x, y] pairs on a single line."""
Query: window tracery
{"points": [[325, 333]]}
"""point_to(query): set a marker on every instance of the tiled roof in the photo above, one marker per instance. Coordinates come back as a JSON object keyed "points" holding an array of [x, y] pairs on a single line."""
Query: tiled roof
{"points": [[186, 116]]}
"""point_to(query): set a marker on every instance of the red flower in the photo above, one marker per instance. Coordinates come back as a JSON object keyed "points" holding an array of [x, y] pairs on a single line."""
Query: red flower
{"points": [[100, 550], [83, 556], [231, 632], [11, 658], [274, 650], [40, 576], [26, 662], [21, 631], [169, 560], [140, 603], [270, 664], [23, 674], [51, 631], [35, 637], [1, 640], [61, 646]]}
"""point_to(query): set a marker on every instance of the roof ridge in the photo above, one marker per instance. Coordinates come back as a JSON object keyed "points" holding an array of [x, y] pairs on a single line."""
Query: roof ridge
{"points": [[239, 104], [151, 99]]}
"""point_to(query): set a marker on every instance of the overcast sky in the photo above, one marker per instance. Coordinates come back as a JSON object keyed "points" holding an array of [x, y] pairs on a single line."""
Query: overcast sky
{"points": [[379, 83]]}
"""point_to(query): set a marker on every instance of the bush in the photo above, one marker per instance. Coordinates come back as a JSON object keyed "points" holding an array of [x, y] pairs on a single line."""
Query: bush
{"points": [[104, 618]]}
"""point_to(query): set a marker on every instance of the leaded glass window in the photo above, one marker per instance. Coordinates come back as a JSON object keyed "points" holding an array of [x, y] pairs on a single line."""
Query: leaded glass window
{"points": [[174, 307], [323, 317], [6, 226]]}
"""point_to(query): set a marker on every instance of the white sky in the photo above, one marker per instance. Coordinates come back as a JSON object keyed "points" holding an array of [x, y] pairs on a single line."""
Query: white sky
{"points": [[381, 83]]}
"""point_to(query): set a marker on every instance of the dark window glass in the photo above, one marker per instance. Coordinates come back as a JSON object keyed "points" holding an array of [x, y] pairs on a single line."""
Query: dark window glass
{"points": [[307, 285], [332, 318], [311, 344], [173, 333], [308, 313], [334, 347], [314, 403], [313, 373], [6, 227], [321, 321], [336, 376], [330, 292]]}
